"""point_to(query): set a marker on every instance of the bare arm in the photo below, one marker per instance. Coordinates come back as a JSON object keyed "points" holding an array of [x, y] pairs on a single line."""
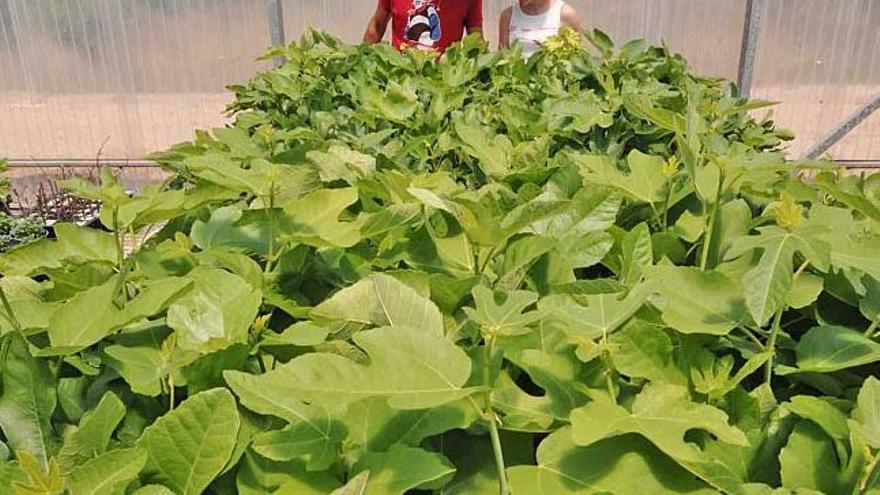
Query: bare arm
{"points": [[377, 25], [504, 28], [571, 18]]}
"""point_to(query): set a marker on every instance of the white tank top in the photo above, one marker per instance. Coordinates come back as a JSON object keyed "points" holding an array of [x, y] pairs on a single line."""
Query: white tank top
{"points": [[532, 30]]}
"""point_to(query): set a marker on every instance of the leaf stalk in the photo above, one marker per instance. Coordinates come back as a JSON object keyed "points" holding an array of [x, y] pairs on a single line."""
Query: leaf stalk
{"points": [[771, 344], [491, 418]]}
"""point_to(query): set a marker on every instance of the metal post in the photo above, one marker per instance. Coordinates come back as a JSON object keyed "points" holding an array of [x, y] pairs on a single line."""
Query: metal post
{"points": [[844, 127], [276, 26], [749, 50]]}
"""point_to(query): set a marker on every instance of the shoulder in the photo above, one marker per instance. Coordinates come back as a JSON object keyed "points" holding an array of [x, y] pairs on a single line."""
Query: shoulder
{"points": [[570, 16]]}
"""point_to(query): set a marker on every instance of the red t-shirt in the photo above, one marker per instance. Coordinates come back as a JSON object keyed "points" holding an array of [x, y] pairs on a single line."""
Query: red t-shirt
{"points": [[432, 24]]}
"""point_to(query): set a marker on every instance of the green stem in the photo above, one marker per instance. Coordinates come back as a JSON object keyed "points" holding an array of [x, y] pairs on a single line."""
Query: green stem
{"points": [[489, 414], [7, 308], [665, 223], [751, 336], [870, 331], [503, 488], [710, 231], [609, 369], [271, 250], [771, 344], [170, 392], [120, 247], [870, 473]]}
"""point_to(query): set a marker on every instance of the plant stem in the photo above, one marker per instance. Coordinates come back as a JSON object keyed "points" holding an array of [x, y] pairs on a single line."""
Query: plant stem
{"points": [[489, 414], [771, 344], [170, 392], [870, 473], [120, 248], [710, 229], [7, 308], [503, 489], [665, 220], [271, 250], [870, 331], [751, 336], [707, 242]]}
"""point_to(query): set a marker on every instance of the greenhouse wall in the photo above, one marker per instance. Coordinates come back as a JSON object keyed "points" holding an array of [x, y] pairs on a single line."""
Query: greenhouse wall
{"points": [[81, 79]]}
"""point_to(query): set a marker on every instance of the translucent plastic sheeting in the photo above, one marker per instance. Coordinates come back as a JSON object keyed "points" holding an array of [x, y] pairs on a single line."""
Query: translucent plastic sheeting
{"points": [[119, 78], [125, 77], [819, 58], [708, 32]]}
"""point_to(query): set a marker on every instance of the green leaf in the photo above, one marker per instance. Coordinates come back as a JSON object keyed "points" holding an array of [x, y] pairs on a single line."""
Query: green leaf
{"points": [[804, 291], [397, 103], [258, 476], [376, 427], [867, 411], [189, 446], [809, 462], [870, 304], [696, 301], [145, 358], [767, 285], [591, 210], [492, 151], [641, 350], [269, 394], [355, 486], [436, 371], [152, 490], [231, 228], [508, 318], [826, 416], [521, 411], [259, 177], [318, 439], [569, 115], [315, 218], [27, 403], [73, 245], [826, 349], [93, 435], [861, 255], [637, 254], [381, 300], [625, 465], [603, 314], [663, 414], [404, 468], [216, 314], [41, 481], [645, 182], [90, 316], [107, 473]]}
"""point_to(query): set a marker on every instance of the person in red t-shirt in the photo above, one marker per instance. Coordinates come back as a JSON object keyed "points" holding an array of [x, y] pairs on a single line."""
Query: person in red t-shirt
{"points": [[425, 24]]}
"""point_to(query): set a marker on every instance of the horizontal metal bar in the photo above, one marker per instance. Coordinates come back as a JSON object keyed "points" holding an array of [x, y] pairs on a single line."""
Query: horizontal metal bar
{"points": [[80, 163], [844, 127]]}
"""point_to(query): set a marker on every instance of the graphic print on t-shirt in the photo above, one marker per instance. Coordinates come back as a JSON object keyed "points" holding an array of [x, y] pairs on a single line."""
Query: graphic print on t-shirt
{"points": [[423, 24]]}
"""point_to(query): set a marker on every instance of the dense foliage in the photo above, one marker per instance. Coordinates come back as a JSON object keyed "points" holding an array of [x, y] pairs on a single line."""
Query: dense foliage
{"points": [[574, 274], [16, 231]]}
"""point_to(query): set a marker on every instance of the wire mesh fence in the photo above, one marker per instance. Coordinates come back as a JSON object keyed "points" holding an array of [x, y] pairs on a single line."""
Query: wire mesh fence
{"points": [[119, 78]]}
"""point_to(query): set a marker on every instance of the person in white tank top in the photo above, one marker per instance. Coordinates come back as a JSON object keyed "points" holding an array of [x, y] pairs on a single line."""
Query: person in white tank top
{"points": [[531, 22]]}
